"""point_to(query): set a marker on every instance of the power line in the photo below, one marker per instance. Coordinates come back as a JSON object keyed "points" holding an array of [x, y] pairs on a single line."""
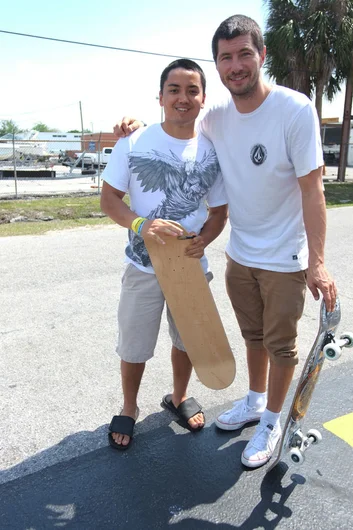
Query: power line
{"points": [[101, 46], [38, 111]]}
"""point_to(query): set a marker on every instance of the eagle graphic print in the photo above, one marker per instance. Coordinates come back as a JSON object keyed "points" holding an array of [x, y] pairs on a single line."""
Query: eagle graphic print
{"points": [[185, 184]]}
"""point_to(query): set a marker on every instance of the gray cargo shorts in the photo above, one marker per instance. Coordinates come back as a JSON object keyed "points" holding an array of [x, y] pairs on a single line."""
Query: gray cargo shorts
{"points": [[140, 311]]}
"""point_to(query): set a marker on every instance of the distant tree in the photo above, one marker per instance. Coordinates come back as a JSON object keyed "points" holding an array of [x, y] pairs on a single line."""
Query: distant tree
{"points": [[41, 127], [9, 126], [77, 131]]}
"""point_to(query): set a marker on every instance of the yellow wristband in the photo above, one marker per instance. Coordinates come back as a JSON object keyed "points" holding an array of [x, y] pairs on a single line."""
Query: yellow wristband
{"points": [[136, 223]]}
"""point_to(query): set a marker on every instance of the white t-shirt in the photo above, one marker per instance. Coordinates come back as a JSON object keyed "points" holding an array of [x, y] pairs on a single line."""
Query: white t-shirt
{"points": [[262, 154], [165, 178]]}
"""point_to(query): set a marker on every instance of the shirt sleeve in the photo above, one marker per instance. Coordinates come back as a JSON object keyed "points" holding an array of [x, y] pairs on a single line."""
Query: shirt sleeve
{"points": [[117, 172], [304, 142], [205, 125], [217, 193], [202, 126]]}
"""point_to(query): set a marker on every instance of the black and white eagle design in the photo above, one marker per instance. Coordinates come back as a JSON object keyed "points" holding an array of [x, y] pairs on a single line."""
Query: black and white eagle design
{"points": [[185, 184]]}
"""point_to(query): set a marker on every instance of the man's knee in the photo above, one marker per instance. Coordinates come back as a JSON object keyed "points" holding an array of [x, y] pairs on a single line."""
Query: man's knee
{"points": [[282, 354]]}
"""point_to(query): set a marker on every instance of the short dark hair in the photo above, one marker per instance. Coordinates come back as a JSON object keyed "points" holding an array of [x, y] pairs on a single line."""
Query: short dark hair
{"points": [[186, 64], [234, 27]]}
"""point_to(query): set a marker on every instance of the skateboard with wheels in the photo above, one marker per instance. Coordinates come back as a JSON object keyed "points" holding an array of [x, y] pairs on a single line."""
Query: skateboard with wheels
{"points": [[194, 311], [326, 346]]}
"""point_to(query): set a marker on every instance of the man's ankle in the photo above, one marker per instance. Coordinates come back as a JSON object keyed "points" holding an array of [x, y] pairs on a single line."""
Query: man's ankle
{"points": [[129, 410], [257, 400], [177, 398], [271, 418]]}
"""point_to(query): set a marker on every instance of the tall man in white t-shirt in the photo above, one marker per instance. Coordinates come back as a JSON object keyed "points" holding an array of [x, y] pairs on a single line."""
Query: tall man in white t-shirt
{"points": [[267, 140], [170, 172], [271, 158]]}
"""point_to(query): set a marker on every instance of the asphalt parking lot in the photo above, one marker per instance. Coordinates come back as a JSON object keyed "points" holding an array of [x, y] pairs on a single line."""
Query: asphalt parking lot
{"points": [[59, 387]]}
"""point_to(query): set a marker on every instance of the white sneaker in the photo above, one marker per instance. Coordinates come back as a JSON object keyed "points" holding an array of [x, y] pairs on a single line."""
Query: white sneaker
{"points": [[238, 416], [261, 446]]}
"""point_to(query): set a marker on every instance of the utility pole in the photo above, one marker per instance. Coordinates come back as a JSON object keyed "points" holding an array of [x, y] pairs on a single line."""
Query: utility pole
{"points": [[82, 140], [162, 110], [14, 161], [346, 127]]}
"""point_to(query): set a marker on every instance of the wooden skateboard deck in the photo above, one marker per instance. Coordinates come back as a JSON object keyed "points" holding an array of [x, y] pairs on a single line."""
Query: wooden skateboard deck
{"points": [[193, 308], [293, 441]]}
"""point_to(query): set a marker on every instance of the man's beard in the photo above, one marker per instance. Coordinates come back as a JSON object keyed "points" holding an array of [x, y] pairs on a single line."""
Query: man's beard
{"points": [[248, 91]]}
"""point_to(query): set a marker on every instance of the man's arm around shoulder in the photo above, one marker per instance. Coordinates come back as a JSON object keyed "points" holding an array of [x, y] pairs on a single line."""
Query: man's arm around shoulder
{"points": [[127, 126]]}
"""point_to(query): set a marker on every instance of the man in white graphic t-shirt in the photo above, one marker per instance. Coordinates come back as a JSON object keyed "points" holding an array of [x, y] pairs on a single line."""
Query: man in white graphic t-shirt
{"points": [[267, 140], [170, 172]]}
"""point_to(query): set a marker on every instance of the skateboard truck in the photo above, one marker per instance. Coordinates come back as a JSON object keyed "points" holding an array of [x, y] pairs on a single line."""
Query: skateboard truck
{"points": [[333, 350], [302, 443]]}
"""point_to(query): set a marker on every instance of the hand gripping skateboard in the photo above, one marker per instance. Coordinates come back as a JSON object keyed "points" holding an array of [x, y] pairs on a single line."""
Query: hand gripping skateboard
{"points": [[293, 441], [194, 311]]}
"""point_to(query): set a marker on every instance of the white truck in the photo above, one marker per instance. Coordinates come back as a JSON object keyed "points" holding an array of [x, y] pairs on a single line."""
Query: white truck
{"points": [[93, 159]]}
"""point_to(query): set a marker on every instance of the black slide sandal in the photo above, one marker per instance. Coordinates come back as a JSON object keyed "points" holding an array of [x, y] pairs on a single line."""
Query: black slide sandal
{"points": [[121, 425], [186, 410]]}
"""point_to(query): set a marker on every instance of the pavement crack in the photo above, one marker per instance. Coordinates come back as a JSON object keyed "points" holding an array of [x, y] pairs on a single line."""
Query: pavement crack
{"points": [[10, 331]]}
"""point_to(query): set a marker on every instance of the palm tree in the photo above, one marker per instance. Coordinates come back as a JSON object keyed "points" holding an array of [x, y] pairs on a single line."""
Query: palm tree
{"points": [[285, 45], [308, 44]]}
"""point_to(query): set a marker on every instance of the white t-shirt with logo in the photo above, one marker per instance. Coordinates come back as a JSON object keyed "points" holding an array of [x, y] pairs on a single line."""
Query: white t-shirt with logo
{"points": [[165, 178], [262, 154]]}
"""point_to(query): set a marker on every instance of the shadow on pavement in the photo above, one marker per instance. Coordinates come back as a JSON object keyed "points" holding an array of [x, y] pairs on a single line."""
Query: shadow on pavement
{"points": [[167, 478], [259, 517]]}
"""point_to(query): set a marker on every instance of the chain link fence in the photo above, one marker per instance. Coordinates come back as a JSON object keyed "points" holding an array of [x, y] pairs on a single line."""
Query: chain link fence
{"points": [[50, 167], [32, 167]]}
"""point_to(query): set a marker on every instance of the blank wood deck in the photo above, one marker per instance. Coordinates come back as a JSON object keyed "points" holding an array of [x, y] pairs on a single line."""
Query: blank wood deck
{"points": [[191, 303]]}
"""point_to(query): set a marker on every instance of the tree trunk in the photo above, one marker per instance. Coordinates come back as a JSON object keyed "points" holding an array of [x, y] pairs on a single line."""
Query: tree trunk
{"points": [[318, 99], [346, 127], [307, 86]]}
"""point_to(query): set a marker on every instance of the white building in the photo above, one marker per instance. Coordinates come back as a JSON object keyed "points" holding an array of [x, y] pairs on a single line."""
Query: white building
{"points": [[50, 142]]}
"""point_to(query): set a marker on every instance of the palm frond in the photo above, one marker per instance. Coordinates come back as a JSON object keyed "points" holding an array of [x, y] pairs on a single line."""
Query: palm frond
{"points": [[309, 43]]}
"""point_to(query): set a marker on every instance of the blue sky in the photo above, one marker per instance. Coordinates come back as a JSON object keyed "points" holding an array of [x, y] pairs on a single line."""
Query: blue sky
{"points": [[44, 80]]}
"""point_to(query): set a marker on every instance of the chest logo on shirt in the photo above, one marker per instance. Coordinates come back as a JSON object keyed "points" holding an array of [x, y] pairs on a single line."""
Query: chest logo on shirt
{"points": [[258, 154]]}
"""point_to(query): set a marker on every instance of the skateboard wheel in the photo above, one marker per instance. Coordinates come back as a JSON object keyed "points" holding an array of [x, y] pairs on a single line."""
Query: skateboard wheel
{"points": [[296, 456], [348, 337], [332, 351], [315, 435]]}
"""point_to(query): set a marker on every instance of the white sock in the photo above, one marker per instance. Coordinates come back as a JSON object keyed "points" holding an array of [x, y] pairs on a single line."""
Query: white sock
{"points": [[271, 417], [257, 400]]}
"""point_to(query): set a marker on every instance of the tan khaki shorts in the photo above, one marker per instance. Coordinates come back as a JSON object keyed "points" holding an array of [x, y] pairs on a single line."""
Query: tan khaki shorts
{"points": [[140, 311], [268, 306]]}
